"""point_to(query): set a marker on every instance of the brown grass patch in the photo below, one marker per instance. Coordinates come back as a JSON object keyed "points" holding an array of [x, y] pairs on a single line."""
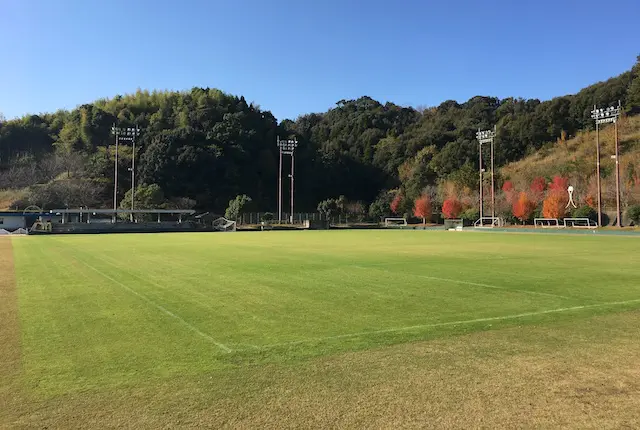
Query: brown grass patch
{"points": [[9, 328], [578, 374]]}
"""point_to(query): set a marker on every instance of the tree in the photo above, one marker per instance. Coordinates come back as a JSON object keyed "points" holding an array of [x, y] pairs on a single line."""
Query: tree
{"points": [[558, 183], [554, 205], [328, 208], [422, 208], [451, 208], [507, 189], [523, 207], [235, 207], [538, 186], [395, 203], [380, 207]]}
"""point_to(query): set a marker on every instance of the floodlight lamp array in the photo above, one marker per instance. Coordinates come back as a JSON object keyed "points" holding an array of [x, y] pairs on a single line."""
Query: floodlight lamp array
{"points": [[287, 146], [126, 133], [602, 116], [485, 136]]}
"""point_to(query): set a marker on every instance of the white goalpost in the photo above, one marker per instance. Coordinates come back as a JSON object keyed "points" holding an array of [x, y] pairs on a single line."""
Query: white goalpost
{"points": [[579, 223], [489, 222], [223, 224], [546, 223], [395, 222], [453, 224]]}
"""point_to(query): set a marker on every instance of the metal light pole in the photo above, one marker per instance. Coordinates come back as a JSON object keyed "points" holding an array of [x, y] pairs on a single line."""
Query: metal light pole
{"points": [[279, 183], [126, 134], [487, 136], [481, 182], [116, 132], [292, 164], [286, 147], [604, 116]]}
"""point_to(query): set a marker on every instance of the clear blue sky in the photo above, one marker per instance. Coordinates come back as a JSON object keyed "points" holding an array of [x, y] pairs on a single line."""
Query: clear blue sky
{"points": [[299, 56]]}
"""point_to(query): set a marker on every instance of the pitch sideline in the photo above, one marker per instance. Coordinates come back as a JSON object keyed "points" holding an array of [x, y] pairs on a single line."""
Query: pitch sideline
{"points": [[452, 323]]}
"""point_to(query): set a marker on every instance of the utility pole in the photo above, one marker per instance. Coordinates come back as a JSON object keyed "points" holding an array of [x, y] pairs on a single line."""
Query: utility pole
{"points": [[604, 116]]}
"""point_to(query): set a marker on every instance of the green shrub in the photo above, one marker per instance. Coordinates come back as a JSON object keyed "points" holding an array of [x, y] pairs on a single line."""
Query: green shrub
{"points": [[471, 214], [585, 212], [267, 217], [634, 214]]}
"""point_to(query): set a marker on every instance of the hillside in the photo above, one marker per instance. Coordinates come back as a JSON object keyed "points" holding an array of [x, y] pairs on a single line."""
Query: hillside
{"points": [[203, 147], [575, 160]]}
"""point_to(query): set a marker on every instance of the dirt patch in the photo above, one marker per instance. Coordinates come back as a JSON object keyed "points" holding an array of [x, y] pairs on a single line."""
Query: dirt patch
{"points": [[9, 328]]}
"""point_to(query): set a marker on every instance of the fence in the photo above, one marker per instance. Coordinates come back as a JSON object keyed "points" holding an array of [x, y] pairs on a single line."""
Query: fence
{"points": [[253, 218]]}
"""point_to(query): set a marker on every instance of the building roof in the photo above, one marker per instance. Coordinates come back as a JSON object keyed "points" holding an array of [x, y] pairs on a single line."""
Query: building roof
{"points": [[121, 211]]}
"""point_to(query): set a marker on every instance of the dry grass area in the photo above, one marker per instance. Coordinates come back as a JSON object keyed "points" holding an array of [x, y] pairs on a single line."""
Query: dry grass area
{"points": [[576, 157], [583, 373], [7, 197]]}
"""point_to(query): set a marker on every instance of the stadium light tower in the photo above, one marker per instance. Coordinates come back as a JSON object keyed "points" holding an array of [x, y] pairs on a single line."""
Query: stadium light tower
{"points": [[286, 147], [604, 116], [124, 134], [487, 136]]}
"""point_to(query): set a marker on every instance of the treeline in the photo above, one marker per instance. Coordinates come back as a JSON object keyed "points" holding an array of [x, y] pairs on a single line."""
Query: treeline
{"points": [[207, 147]]}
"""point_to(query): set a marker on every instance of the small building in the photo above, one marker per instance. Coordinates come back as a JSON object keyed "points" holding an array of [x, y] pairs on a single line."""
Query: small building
{"points": [[11, 221]]}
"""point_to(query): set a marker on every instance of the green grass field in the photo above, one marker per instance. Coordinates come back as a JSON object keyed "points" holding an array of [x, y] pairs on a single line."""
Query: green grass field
{"points": [[106, 316]]}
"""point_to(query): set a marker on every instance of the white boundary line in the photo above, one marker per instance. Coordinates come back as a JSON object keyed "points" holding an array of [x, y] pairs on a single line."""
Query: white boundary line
{"points": [[450, 323], [159, 307], [495, 287], [475, 284]]}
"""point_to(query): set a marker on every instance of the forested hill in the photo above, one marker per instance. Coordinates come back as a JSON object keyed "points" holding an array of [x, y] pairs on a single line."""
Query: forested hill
{"points": [[203, 147]]}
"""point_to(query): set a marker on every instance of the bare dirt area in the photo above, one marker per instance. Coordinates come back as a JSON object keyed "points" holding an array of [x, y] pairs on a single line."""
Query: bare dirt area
{"points": [[579, 374]]}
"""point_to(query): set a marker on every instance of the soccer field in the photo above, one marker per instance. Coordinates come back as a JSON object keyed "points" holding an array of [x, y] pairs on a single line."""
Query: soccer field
{"points": [[106, 314]]}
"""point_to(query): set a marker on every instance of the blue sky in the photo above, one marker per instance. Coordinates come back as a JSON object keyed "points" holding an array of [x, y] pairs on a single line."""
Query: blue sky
{"points": [[299, 56]]}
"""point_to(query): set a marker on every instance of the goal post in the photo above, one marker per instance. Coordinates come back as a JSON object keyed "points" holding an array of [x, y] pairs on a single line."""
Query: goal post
{"points": [[489, 222], [395, 222], [223, 224], [579, 223], [453, 224], [546, 223]]}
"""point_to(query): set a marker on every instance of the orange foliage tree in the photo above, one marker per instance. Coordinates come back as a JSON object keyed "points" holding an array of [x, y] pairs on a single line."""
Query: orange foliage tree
{"points": [[451, 208], [395, 203], [422, 208], [523, 207], [554, 205]]}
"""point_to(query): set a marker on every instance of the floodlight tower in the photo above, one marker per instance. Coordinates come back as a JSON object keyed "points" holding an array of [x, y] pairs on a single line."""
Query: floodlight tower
{"points": [[604, 116], [124, 134], [286, 147], [487, 136]]}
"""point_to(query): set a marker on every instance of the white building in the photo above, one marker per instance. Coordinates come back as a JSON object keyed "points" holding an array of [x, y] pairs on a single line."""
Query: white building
{"points": [[12, 221]]}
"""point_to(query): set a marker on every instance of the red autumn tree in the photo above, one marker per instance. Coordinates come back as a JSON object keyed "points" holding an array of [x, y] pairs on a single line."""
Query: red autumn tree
{"points": [[422, 208], [591, 196], [395, 203], [555, 204], [559, 184], [451, 208], [523, 207], [538, 186], [507, 189]]}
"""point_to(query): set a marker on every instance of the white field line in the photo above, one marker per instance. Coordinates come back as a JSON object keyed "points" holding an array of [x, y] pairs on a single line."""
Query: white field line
{"points": [[159, 307], [475, 284], [450, 323]]}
